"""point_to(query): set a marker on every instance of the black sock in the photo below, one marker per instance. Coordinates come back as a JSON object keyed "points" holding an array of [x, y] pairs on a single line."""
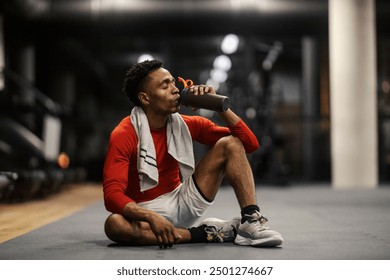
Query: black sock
{"points": [[248, 210], [198, 235]]}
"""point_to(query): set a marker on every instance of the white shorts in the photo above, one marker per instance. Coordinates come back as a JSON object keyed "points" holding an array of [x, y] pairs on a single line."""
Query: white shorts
{"points": [[183, 206]]}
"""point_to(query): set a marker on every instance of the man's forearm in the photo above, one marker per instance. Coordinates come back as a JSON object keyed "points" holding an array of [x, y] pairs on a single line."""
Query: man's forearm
{"points": [[133, 211], [229, 117], [242, 132]]}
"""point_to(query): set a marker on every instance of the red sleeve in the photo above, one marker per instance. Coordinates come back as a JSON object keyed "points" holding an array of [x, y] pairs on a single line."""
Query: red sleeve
{"points": [[247, 137], [206, 132], [116, 168]]}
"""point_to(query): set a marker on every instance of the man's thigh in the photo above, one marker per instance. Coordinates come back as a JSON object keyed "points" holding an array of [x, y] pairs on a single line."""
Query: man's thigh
{"points": [[210, 170]]}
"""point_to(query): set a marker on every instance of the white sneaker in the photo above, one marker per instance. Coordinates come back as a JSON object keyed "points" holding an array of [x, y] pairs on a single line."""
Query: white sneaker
{"points": [[221, 230], [255, 232]]}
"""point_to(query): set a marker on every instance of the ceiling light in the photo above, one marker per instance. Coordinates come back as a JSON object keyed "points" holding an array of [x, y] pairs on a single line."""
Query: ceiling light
{"points": [[230, 43], [250, 113], [222, 62], [218, 75], [144, 57]]}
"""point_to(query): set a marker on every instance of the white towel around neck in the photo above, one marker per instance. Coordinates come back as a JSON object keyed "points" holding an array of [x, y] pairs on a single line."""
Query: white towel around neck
{"points": [[179, 143]]}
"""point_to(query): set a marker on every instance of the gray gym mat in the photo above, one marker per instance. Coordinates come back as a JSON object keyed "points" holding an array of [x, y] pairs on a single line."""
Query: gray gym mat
{"points": [[316, 222]]}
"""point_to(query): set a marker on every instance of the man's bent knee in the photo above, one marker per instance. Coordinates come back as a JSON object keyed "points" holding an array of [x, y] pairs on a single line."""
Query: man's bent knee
{"points": [[118, 229], [111, 227], [230, 144]]}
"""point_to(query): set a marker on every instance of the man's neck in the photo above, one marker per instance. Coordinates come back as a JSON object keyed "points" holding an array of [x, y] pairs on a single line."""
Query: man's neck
{"points": [[156, 121]]}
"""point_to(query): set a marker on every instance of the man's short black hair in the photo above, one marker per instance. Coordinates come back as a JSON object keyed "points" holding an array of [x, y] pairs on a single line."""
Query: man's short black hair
{"points": [[135, 76]]}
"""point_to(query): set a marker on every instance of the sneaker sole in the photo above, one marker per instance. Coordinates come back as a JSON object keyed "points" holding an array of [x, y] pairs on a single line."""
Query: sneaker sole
{"points": [[271, 241]]}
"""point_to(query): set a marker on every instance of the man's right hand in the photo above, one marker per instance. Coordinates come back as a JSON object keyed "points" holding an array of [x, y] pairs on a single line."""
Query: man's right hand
{"points": [[164, 230]]}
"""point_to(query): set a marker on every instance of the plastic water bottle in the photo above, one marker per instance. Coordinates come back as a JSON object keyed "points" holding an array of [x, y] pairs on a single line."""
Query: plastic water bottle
{"points": [[207, 101]]}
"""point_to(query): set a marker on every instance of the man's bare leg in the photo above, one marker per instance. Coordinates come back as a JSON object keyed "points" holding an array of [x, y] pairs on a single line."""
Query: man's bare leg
{"points": [[226, 158], [122, 231]]}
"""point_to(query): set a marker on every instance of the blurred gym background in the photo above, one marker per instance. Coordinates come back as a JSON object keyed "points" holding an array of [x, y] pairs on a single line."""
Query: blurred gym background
{"points": [[63, 62]]}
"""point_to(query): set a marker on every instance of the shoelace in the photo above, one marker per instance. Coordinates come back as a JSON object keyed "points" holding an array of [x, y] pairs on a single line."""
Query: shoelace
{"points": [[214, 235], [259, 220], [220, 234]]}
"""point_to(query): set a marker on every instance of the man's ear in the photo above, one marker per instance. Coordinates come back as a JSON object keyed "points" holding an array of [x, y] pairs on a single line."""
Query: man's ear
{"points": [[143, 98]]}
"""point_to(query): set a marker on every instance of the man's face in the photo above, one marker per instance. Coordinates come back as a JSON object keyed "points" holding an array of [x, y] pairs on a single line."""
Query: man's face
{"points": [[162, 93]]}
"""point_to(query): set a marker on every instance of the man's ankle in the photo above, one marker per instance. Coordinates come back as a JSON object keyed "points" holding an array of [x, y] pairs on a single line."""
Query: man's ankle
{"points": [[247, 211]]}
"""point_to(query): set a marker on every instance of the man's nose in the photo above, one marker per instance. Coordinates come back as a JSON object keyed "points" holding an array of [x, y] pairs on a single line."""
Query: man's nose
{"points": [[175, 90]]}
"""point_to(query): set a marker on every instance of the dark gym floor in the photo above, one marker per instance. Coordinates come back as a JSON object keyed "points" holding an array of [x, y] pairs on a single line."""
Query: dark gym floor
{"points": [[316, 221]]}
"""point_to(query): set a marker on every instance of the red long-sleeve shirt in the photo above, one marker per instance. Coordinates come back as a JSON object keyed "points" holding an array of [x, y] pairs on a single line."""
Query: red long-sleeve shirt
{"points": [[120, 175]]}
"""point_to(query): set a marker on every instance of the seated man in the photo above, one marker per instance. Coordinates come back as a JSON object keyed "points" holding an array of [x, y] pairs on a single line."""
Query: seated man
{"points": [[153, 187]]}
